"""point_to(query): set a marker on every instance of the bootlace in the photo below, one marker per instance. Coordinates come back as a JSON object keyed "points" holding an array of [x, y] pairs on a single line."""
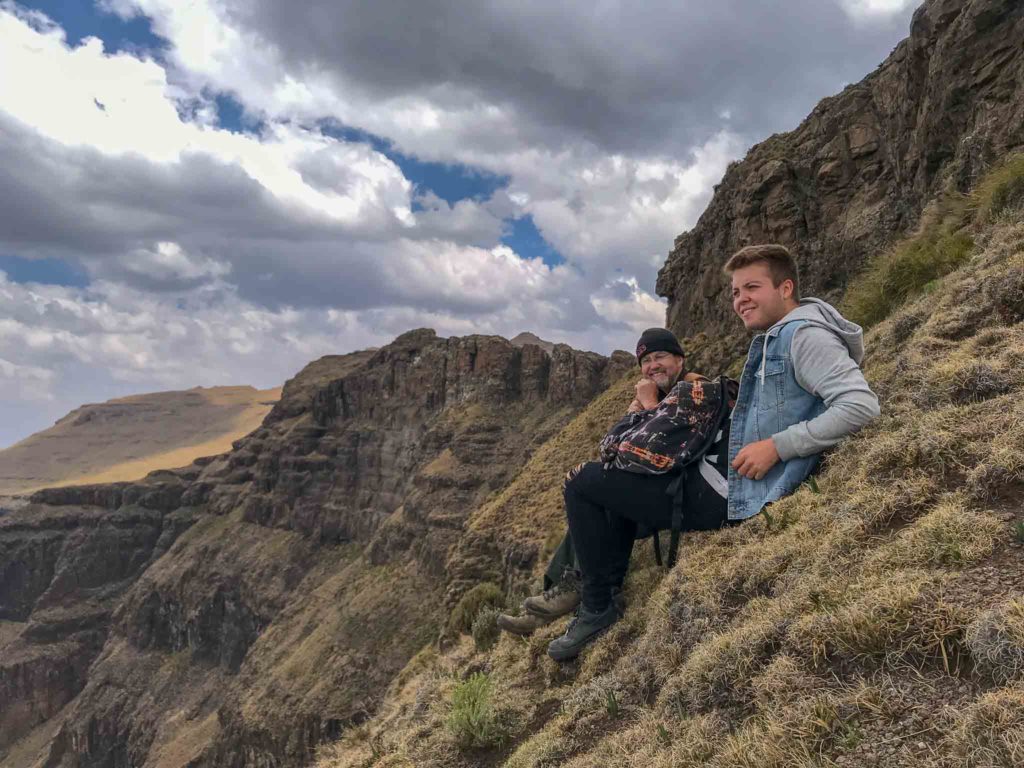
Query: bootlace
{"points": [[554, 591]]}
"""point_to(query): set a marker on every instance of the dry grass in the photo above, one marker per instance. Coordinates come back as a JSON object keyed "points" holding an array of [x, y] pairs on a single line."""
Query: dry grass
{"points": [[784, 642], [990, 733], [996, 640]]}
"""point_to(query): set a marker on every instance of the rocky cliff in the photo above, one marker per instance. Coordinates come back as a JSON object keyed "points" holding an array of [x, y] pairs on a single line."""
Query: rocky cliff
{"points": [[856, 174], [241, 610]]}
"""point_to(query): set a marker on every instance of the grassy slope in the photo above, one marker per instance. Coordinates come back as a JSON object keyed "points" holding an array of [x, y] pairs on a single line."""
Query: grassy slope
{"points": [[876, 622], [127, 438]]}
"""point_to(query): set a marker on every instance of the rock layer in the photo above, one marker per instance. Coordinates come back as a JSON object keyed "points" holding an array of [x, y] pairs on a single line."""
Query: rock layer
{"points": [[240, 611], [856, 174]]}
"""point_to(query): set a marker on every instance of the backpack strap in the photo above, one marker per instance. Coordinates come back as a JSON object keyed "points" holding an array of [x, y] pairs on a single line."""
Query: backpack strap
{"points": [[677, 489]]}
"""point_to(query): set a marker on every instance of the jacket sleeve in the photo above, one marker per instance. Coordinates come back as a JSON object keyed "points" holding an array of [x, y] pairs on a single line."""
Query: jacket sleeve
{"points": [[823, 366]]}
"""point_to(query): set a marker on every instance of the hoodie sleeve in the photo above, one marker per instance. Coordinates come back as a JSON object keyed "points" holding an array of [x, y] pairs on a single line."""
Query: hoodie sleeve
{"points": [[823, 366]]}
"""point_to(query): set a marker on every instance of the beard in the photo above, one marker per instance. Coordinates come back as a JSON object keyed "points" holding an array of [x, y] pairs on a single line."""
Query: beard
{"points": [[665, 381]]}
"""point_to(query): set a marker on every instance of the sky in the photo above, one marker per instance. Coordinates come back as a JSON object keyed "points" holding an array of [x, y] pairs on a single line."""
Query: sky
{"points": [[219, 191]]}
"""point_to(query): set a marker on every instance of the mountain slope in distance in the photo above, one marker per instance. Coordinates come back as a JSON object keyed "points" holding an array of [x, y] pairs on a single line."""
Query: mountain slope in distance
{"points": [[126, 438]]}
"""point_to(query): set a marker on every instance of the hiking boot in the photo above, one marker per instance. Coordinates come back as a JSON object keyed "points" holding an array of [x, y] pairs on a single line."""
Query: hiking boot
{"points": [[584, 629], [561, 599], [524, 624]]}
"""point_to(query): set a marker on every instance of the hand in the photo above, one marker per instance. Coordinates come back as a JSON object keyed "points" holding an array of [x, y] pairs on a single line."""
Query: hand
{"points": [[635, 407], [647, 393], [754, 460]]}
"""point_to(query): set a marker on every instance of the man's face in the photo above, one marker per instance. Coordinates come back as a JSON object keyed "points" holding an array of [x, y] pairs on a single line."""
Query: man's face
{"points": [[759, 303], [663, 368]]}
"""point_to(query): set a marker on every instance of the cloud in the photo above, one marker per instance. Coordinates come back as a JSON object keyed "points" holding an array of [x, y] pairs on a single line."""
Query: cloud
{"points": [[217, 256]]}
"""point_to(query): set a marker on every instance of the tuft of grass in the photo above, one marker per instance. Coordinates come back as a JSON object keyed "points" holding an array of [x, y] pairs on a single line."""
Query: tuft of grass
{"points": [[990, 732], [472, 721], [469, 606], [996, 640], [485, 628], [1001, 190], [949, 535], [902, 616]]}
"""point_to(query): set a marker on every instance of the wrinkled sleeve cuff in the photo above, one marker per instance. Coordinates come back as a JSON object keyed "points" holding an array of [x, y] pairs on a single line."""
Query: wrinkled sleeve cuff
{"points": [[785, 444]]}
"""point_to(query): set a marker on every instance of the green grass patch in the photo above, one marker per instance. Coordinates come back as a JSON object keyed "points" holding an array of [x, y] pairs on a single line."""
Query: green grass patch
{"points": [[1002, 189], [485, 628], [944, 243], [907, 270], [472, 720]]}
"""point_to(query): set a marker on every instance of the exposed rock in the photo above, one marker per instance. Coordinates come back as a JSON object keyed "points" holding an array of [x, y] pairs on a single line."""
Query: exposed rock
{"points": [[246, 608], [858, 171]]}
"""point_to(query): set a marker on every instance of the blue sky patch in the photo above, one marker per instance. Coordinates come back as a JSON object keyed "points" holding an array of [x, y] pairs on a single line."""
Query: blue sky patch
{"points": [[46, 271], [523, 237], [232, 115], [450, 182], [81, 19]]}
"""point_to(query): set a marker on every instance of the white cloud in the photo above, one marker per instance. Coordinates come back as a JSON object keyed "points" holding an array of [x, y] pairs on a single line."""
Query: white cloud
{"points": [[873, 9], [221, 257]]}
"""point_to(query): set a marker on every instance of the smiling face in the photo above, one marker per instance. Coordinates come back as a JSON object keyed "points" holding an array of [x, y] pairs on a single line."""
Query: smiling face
{"points": [[663, 368], [759, 303]]}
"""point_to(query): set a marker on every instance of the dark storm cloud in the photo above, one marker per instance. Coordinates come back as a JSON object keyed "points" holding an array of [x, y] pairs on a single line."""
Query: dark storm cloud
{"points": [[630, 77]]}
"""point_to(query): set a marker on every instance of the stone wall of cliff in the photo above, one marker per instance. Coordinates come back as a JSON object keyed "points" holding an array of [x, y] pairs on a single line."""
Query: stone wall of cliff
{"points": [[240, 611], [856, 174]]}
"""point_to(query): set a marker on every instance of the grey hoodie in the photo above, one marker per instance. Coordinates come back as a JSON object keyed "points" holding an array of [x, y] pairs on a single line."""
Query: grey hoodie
{"points": [[826, 354]]}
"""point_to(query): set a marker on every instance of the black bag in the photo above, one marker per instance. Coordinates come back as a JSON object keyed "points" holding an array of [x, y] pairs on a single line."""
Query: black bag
{"points": [[690, 424]]}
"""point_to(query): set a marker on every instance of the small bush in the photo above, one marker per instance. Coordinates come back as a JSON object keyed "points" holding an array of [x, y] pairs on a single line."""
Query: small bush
{"points": [[1001, 189], [465, 611], [472, 721], [485, 628]]}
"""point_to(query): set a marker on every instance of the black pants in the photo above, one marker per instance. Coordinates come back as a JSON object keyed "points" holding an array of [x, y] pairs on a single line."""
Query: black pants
{"points": [[604, 506]]}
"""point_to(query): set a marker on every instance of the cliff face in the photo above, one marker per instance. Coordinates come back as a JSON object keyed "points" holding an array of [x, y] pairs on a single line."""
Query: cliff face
{"points": [[857, 172], [241, 610]]}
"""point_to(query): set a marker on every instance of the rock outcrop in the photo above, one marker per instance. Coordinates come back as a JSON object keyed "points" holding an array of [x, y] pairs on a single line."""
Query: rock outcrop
{"points": [[856, 174], [240, 611]]}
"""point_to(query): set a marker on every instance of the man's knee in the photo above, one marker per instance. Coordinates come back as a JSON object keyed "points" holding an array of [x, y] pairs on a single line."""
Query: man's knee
{"points": [[572, 474]]}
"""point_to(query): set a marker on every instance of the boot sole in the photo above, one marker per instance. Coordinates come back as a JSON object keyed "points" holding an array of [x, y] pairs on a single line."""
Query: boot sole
{"points": [[533, 611], [516, 630]]}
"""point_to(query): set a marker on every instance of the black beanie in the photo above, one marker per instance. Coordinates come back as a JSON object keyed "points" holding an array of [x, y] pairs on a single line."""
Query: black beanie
{"points": [[658, 340]]}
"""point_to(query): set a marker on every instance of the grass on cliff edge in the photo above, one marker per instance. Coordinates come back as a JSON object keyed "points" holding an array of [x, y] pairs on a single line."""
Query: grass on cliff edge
{"points": [[944, 242], [876, 622]]}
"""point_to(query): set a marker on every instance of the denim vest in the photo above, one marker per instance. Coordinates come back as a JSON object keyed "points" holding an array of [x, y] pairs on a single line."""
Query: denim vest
{"points": [[769, 402]]}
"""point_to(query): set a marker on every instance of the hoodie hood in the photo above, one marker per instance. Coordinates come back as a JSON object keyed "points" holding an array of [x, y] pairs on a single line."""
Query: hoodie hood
{"points": [[824, 314]]}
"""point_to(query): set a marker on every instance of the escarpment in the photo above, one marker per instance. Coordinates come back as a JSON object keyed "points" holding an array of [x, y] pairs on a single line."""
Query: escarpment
{"points": [[856, 174], [241, 610]]}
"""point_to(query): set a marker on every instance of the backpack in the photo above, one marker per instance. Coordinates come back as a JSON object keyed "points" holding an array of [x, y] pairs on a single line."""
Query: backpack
{"points": [[686, 435]]}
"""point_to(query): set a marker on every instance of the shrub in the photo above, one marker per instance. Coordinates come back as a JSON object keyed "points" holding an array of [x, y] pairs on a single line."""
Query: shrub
{"points": [[485, 628], [472, 720], [466, 610]]}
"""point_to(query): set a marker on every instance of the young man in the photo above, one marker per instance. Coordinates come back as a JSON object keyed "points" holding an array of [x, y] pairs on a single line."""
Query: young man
{"points": [[801, 391]]}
